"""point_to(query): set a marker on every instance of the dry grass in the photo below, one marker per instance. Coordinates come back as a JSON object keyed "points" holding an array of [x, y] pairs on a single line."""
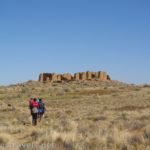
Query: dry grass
{"points": [[80, 116]]}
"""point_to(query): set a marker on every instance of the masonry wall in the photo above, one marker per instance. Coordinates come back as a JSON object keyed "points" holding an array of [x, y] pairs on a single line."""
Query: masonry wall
{"points": [[52, 77]]}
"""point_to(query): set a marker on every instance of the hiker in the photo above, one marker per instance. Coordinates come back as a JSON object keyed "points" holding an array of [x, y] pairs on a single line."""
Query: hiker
{"points": [[34, 113], [41, 109]]}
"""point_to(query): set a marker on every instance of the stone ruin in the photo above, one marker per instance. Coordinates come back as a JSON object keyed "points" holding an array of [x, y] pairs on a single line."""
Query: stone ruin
{"points": [[53, 77]]}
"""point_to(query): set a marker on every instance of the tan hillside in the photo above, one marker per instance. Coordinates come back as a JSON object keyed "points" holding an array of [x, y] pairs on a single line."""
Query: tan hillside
{"points": [[80, 115]]}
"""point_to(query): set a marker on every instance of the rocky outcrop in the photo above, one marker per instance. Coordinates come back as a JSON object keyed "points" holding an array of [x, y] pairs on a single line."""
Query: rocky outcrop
{"points": [[52, 77], [67, 77]]}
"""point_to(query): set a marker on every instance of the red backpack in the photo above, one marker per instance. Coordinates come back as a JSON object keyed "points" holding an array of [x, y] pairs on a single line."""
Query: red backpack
{"points": [[34, 104]]}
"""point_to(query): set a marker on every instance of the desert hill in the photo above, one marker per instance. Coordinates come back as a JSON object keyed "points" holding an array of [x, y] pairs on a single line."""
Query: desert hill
{"points": [[80, 115]]}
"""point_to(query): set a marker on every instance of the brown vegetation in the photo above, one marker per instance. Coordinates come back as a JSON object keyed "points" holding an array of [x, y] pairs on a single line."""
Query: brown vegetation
{"points": [[81, 115]]}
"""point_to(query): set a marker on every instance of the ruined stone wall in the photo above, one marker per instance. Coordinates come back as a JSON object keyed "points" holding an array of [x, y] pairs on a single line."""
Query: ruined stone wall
{"points": [[67, 77], [52, 77]]}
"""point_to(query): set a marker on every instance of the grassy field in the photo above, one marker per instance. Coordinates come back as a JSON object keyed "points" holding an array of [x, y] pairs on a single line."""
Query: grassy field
{"points": [[87, 115]]}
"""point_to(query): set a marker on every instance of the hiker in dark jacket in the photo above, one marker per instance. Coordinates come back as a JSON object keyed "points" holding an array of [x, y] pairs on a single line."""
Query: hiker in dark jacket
{"points": [[34, 113], [41, 109]]}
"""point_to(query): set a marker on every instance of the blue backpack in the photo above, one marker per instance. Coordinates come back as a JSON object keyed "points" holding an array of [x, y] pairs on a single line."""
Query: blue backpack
{"points": [[41, 105]]}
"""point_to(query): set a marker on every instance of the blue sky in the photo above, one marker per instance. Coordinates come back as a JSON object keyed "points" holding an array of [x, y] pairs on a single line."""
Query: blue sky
{"points": [[74, 35]]}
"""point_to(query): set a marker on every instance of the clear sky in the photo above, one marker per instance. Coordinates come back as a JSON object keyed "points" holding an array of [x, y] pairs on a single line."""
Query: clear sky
{"points": [[74, 35]]}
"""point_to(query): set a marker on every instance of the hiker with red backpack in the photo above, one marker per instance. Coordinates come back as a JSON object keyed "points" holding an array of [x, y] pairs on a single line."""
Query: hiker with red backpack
{"points": [[34, 111]]}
